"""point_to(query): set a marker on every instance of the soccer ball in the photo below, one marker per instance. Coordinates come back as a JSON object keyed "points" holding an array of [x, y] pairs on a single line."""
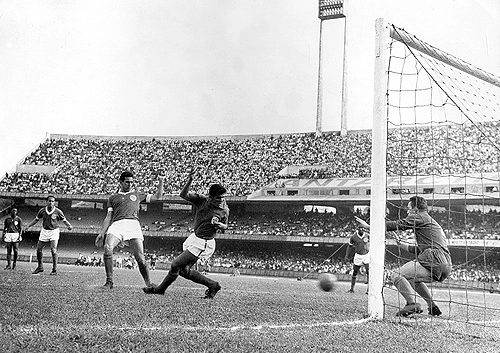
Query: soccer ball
{"points": [[327, 281]]}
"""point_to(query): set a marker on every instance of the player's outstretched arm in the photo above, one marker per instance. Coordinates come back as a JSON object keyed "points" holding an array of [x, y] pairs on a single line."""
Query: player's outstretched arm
{"points": [[185, 190], [362, 223]]}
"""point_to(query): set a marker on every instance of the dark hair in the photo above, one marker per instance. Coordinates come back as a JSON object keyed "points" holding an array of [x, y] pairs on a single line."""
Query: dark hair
{"points": [[419, 202], [126, 174], [48, 197], [216, 190]]}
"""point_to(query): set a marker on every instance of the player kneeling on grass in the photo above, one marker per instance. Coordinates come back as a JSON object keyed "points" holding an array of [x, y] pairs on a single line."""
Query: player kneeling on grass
{"points": [[211, 214], [433, 260]]}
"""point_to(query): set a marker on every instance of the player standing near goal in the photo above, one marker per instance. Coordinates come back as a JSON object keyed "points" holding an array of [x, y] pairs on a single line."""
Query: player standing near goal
{"points": [[50, 232], [359, 244], [211, 215], [121, 225], [433, 260], [12, 231]]}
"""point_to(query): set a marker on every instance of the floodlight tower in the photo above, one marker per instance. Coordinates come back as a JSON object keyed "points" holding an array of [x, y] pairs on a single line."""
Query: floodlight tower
{"points": [[331, 9]]}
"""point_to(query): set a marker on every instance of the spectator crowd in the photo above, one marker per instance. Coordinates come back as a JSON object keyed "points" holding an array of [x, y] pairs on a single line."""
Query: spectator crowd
{"points": [[245, 164]]}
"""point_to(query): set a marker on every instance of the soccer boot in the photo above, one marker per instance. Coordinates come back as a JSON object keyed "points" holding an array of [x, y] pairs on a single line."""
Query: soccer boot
{"points": [[212, 291], [108, 284], [53, 273], [434, 311], [409, 309], [350, 291], [7, 267], [153, 289], [37, 271]]}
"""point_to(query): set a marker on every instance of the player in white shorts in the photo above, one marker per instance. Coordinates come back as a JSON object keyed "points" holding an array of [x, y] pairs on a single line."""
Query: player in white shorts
{"points": [[359, 243], [121, 226], [50, 216], [211, 215], [12, 230]]}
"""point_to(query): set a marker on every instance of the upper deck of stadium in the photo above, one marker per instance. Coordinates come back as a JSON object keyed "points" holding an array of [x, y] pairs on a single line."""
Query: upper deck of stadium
{"points": [[90, 165]]}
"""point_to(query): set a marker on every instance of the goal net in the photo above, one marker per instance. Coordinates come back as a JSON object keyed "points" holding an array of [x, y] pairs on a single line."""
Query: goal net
{"points": [[437, 128]]}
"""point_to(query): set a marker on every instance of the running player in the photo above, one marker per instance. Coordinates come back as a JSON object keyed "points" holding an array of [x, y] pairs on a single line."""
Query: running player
{"points": [[211, 215], [121, 226]]}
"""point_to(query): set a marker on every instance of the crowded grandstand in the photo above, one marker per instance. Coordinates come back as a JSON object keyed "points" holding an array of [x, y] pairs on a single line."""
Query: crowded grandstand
{"points": [[311, 224]]}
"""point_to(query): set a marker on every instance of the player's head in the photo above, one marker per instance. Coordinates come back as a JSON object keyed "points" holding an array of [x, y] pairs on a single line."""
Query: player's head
{"points": [[418, 202], [126, 181], [216, 194], [51, 201], [361, 231], [13, 211]]}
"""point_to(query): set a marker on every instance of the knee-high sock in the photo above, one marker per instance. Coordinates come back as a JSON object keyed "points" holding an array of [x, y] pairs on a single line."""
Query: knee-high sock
{"points": [[16, 252], [422, 289], [54, 260], [9, 251], [143, 269], [197, 277], [108, 266], [353, 281], [39, 258], [167, 281], [405, 289]]}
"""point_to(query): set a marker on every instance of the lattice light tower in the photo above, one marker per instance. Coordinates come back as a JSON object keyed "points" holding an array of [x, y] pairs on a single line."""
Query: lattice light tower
{"points": [[331, 9]]}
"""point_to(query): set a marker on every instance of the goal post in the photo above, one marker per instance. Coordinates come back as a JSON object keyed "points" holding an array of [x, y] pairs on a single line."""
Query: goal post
{"points": [[436, 121], [378, 172]]}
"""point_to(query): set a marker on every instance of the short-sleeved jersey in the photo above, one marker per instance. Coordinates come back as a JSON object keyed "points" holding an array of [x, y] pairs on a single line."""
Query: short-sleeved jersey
{"points": [[204, 212], [13, 225], [361, 244], [50, 220], [126, 205]]}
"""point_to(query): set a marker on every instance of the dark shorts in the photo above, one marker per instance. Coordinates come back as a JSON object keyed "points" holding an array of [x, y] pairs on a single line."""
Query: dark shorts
{"points": [[437, 261]]}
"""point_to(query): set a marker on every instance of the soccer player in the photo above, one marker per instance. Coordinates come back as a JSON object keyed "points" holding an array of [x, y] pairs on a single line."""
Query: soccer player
{"points": [[11, 236], [359, 244], [50, 216], [121, 226], [433, 260], [211, 215]]}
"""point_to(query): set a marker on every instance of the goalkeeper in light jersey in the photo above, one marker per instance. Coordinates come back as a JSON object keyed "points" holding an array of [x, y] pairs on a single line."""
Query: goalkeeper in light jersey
{"points": [[433, 260]]}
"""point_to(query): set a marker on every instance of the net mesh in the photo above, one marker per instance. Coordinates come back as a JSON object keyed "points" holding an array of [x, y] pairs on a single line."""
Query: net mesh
{"points": [[443, 119]]}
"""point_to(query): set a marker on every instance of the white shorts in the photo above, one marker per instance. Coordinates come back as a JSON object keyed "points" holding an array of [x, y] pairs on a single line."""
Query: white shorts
{"points": [[201, 248], [12, 238], [126, 229], [49, 234], [360, 260]]}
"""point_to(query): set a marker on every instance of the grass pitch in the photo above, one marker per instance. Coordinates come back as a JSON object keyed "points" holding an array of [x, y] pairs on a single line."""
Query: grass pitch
{"points": [[70, 312]]}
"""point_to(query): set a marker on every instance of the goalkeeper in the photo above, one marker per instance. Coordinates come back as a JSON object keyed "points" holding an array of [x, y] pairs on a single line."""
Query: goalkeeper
{"points": [[433, 260]]}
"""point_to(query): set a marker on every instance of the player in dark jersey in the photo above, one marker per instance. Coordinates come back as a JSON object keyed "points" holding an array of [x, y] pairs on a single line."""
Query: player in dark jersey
{"points": [[433, 260], [211, 215], [50, 216], [359, 245], [12, 231], [121, 226]]}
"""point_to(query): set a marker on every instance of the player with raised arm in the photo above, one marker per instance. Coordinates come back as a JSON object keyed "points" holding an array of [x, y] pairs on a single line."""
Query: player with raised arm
{"points": [[432, 257], [211, 215], [121, 225]]}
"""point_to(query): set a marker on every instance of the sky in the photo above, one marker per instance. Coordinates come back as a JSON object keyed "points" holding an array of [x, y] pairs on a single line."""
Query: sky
{"points": [[205, 67]]}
